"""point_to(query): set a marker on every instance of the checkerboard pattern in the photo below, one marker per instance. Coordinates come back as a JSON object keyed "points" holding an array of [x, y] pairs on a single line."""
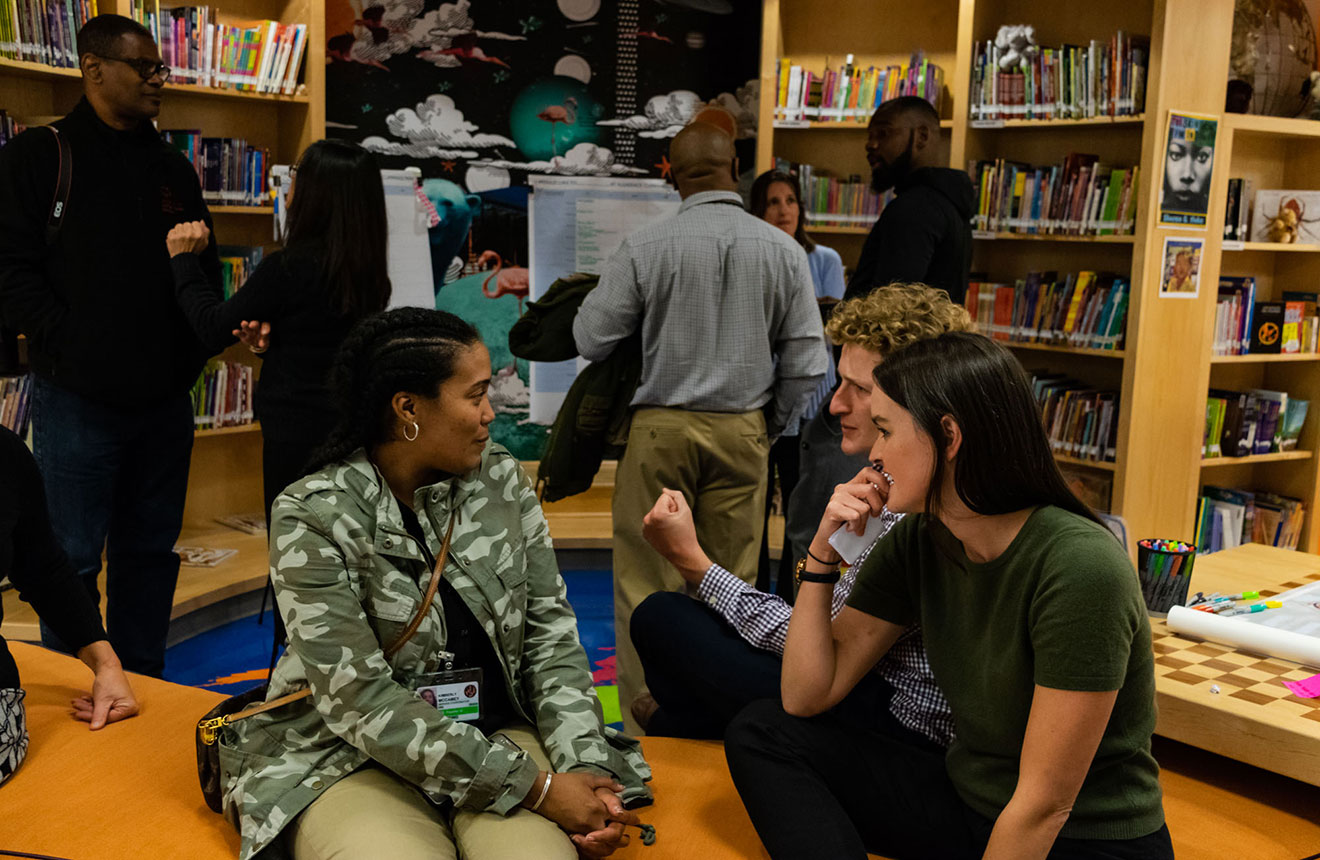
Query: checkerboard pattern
{"points": [[1253, 679]]}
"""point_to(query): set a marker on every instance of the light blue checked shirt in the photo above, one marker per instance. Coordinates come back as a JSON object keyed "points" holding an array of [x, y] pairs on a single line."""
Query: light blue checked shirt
{"points": [[726, 308]]}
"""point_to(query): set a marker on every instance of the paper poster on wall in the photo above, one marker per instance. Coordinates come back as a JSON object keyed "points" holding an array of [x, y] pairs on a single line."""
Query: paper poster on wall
{"points": [[575, 224], [1180, 271], [1189, 159]]}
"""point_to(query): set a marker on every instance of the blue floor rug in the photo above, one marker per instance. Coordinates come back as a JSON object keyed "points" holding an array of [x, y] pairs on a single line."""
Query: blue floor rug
{"points": [[235, 657]]}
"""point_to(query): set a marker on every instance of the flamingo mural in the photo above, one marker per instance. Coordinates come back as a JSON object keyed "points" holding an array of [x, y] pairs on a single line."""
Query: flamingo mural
{"points": [[565, 113], [513, 281]]}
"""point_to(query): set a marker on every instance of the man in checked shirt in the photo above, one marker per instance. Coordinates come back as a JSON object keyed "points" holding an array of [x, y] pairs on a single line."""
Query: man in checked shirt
{"points": [[706, 658]]}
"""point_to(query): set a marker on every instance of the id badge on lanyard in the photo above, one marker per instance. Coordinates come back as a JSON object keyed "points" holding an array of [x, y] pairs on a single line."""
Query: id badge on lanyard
{"points": [[456, 693]]}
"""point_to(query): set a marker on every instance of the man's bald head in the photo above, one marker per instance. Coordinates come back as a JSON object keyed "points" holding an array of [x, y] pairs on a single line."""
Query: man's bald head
{"points": [[702, 159]]}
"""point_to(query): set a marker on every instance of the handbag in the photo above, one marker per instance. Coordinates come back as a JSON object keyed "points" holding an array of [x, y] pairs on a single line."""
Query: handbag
{"points": [[252, 702]]}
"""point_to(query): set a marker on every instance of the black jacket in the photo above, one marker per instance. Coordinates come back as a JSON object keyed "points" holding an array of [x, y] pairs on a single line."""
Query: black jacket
{"points": [[31, 557], [924, 235], [593, 422], [98, 305], [286, 290]]}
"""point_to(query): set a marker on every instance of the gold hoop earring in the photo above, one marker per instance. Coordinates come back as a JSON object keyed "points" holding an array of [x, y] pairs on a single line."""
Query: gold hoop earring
{"points": [[416, 431]]}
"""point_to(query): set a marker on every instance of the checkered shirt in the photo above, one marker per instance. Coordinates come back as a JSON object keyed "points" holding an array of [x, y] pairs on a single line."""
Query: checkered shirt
{"points": [[726, 309], [762, 620]]}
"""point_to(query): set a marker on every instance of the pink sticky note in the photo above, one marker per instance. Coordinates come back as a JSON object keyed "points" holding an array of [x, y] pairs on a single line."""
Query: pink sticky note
{"points": [[1307, 688]]}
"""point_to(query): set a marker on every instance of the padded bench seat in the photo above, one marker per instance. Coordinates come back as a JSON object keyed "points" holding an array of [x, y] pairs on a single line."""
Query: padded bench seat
{"points": [[130, 790]]}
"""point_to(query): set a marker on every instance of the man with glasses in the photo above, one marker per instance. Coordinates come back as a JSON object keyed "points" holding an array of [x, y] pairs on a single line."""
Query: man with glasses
{"points": [[112, 425], [924, 234]]}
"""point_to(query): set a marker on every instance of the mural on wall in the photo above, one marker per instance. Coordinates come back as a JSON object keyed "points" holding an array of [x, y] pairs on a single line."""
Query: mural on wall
{"points": [[482, 94]]}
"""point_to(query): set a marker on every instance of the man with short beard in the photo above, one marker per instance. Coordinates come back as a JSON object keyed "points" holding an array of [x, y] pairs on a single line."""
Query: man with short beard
{"points": [[924, 234]]}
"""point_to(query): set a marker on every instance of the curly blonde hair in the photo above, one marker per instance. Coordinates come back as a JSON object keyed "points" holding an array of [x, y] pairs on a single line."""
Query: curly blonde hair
{"points": [[894, 316]]}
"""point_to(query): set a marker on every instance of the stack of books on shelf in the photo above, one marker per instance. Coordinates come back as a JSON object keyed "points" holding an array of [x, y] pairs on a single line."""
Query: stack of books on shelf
{"points": [[43, 32], [1080, 197], [1237, 212], [232, 173], [851, 93], [1084, 310], [1245, 423], [828, 201], [1080, 421], [9, 128], [222, 395], [15, 398], [261, 57], [237, 263], [1067, 82], [1227, 518], [1244, 326]]}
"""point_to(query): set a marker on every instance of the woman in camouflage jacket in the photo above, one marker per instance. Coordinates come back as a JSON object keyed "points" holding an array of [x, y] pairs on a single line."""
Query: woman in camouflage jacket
{"points": [[365, 759]]}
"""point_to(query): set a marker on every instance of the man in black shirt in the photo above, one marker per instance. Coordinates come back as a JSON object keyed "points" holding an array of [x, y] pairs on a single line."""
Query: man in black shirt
{"points": [[924, 234], [112, 427]]}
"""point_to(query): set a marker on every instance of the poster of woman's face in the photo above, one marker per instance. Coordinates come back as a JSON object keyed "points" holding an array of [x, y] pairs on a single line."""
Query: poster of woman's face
{"points": [[1189, 158]]}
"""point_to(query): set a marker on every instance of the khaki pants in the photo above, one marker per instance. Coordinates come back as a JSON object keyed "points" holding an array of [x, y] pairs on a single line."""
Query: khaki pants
{"points": [[718, 461], [373, 813]]}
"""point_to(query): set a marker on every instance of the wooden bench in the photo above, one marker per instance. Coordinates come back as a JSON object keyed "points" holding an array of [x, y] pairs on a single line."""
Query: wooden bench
{"points": [[130, 790]]}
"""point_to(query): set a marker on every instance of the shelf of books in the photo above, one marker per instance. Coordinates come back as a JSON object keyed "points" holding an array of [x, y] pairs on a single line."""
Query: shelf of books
{"points": [[1259, 475], [825, 73]]}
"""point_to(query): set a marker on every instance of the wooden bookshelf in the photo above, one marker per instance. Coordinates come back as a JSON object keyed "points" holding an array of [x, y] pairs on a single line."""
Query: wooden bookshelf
{"points": [[1093, 121], [254, 427], [845, 125], [1265, 358], [840, 231], [982, 235], [1278, 457], [1066, 350], [268, 211], [1269, 247], [1103, 465]]}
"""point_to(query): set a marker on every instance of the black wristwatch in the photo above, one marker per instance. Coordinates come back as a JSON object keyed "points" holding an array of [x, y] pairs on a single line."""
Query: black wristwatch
{"points": [[801, 574]]}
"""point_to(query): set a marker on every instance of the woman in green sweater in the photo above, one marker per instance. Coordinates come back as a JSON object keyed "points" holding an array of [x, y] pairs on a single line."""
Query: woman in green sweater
{"points": [[1036, 633]]}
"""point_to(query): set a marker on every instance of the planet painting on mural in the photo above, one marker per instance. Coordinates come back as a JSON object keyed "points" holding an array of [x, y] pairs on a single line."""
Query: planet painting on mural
{"points": [[552, 115], [696, 40]]}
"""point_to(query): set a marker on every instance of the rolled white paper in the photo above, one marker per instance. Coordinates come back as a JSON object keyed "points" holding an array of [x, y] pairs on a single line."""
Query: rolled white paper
{"points": [[1244, 635]]}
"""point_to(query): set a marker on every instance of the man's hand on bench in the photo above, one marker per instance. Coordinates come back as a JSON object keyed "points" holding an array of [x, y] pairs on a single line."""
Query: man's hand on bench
{"points": [[112, 698]]}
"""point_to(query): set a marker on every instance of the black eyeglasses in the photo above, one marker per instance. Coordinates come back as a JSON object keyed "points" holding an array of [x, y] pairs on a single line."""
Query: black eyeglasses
{"points": [[145, 68]]}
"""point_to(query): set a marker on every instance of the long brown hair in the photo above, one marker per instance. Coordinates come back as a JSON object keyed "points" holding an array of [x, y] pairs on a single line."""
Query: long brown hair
{"points": [[760, 198]]}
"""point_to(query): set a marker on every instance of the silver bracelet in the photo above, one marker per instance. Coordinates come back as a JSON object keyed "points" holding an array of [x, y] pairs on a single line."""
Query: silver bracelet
{"points": [[545, 789]]}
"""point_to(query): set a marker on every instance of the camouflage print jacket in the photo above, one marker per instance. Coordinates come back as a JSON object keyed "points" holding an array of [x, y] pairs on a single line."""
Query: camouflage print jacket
{"points": [[348, 577]]}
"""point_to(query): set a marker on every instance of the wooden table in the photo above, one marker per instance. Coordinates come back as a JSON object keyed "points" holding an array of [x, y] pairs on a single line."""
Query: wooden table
{"points": [[1231, 702]]}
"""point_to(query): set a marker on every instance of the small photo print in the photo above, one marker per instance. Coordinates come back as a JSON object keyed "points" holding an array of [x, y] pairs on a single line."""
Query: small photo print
{"points": [[1189, 160], [1180, 276]]}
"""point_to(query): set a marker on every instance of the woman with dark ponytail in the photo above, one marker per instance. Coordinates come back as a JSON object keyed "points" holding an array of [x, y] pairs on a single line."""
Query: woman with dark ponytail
{"points": [[1033, 622], [482, 731], [330, 274]]}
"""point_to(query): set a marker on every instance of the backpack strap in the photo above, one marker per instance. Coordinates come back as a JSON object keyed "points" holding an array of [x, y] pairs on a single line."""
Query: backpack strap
{"points": [[59, 204]]}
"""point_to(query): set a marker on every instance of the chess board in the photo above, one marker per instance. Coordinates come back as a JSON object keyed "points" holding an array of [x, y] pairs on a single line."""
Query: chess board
{"points": [[1231, 702]]}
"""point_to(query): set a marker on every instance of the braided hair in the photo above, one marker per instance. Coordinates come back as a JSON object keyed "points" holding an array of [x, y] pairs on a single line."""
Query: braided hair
{"points": [[405, 349]]}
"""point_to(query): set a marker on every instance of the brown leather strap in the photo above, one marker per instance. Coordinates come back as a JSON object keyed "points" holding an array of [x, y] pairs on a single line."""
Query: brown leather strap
{"points": [[430, 590], [394, 647]]}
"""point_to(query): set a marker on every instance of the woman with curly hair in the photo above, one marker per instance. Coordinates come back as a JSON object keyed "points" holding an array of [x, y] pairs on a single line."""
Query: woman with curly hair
{"points": [[733, 634]]}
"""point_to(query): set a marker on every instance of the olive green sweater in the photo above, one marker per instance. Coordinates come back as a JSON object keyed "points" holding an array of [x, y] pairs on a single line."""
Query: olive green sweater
{"points": [[1060, 608]]}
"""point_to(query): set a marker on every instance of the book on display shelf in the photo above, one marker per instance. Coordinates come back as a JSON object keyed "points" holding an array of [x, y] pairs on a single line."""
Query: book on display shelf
{"points": [[851, 93], [1080, 421], [1098, 79], [232, 172], [222, 395], [1080, 197], [43, 31], [1228, 517], [1081, 310]]}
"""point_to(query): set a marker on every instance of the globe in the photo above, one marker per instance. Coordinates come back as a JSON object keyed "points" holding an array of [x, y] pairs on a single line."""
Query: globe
{"points": [[1274, 52]]}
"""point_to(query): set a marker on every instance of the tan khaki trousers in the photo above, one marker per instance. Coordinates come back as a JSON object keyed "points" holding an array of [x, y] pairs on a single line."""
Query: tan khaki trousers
{"points": [[719, 461], [373, 813]]}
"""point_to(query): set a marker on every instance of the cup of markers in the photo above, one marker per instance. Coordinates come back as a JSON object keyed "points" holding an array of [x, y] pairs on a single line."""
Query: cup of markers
{"points": [[1165, 570]]}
